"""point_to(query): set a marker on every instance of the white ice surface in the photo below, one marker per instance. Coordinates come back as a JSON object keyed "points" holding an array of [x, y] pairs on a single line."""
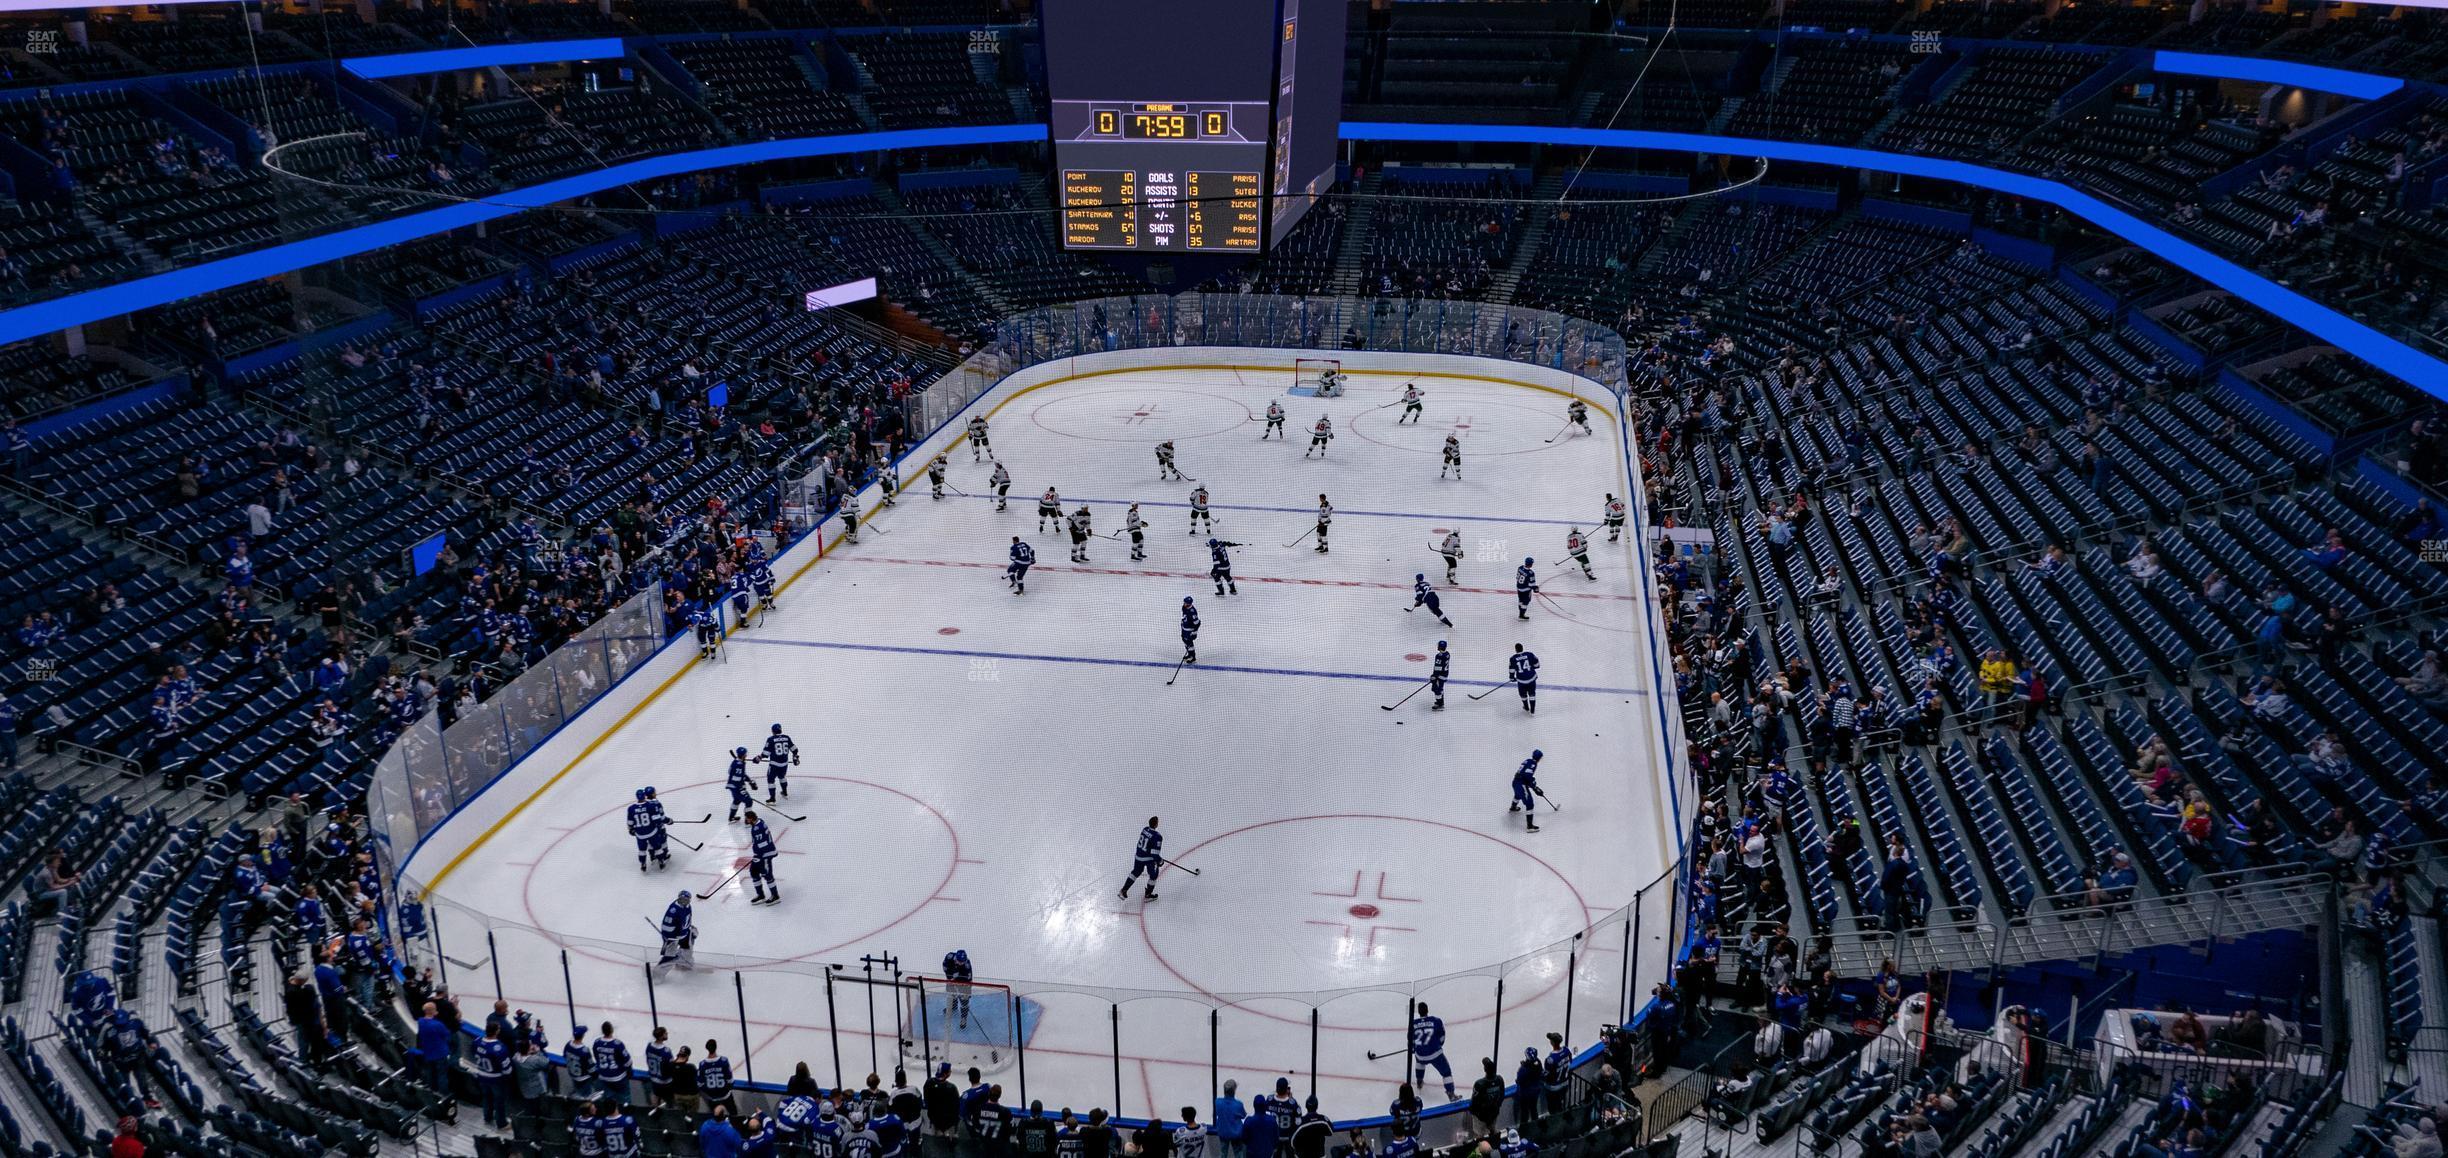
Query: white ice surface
{"points": [[979, 763]]}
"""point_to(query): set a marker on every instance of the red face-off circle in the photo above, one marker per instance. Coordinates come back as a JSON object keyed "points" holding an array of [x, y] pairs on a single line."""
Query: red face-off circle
{"points": [[1364, 912], [947, 631]]}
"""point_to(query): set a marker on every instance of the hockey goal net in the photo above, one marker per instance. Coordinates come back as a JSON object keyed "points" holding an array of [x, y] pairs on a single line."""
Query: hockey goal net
{"points": [[964, 1023], [1322, 376]]}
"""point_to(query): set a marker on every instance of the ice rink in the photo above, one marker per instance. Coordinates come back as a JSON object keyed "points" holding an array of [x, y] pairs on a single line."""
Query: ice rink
{"points": [[978, 764]]}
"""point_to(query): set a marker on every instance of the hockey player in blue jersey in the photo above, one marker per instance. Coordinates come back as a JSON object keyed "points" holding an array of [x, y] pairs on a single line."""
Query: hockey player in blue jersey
{"points": [[1219, 566], [1422, 595], [1189, 630], [1428, 1049], [957, 975], [1438, 671], [1525, 585], [761, 581], [1514, 1145], [743, 790], [706, 620], [1523, 668], [742, 600], [1147, 858], [761, 854], [1526, 791], [679, 934], [780, 753], [1023, 557], [646, 825]]}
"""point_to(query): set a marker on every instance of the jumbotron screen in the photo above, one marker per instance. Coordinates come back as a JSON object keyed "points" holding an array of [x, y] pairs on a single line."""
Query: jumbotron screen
{"points": [[1191, 125]]}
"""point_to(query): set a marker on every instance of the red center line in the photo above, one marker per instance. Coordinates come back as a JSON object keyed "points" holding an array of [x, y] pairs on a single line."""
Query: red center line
{"points": [[1201, 575]]}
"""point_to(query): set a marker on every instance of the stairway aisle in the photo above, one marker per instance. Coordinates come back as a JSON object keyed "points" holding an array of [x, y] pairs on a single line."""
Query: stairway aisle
{"points": [[1359, 232], [1544, 201]]}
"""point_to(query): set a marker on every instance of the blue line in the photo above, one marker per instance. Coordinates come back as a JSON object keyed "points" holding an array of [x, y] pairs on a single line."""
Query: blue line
{"points": [[2386, 353], [1339, 511], [1161, 665], [484, 56], [2382, 351], [2344, 82]]}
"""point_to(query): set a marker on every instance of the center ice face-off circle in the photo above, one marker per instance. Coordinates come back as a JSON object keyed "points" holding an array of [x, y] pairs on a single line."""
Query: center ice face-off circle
{"points": [[1140, 416]]}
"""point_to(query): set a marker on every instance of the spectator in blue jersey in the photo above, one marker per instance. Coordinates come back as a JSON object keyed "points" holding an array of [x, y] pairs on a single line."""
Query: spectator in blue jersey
{"points": [[1260, 1135], [433, 1050], [1228, 1118], [492, 1063], [1529, 1087], [718, 1138]]}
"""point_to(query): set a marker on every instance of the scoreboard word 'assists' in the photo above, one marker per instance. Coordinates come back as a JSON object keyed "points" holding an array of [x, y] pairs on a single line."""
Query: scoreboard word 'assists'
{"points": [[1161, 209]]}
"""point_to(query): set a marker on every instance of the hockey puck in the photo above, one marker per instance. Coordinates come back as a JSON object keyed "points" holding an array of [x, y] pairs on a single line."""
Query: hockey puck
{"points": [[1398, 723]]}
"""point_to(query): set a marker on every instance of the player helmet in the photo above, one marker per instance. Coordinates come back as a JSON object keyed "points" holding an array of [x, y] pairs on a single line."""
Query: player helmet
{"points": [[1211, 542], [1535, 754], [777, 729], [641, 794], [686, 896], [1186, 600], [739, 751], [649, 792], [1419, 576], [1527, 560], [1440, 645]]}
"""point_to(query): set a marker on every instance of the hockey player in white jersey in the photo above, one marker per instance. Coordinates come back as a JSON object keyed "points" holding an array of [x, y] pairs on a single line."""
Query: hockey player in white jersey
{"points": [[1453, 456], [1325, 522], [1137, 527], [1198, 511], [1576, 546], [1411, 404], [1080, 530], [1164, 462], [1274, 422], [1614, 518], [979, 447], [1001, 482], [1319, 436], [850, 517], [1049, 509], [935, 475], [1451, 549]]}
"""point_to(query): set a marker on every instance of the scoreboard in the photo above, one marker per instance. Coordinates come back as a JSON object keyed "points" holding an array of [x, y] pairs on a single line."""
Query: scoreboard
{"points": [[1173, 123], [1161, 175]]}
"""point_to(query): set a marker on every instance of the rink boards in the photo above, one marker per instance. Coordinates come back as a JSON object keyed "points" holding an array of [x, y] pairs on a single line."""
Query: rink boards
{"points": [[978, 762]]}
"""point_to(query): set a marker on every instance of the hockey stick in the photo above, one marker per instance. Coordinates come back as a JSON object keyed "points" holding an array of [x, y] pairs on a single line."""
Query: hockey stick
{"points": [[1303, 538], [1177, 668], [709, 893], [1551, 804], [1183, 867], [1373, 1055], [683, 843], [1492, 691], [1568, 425], [1407, 698], [784, 815], [700, 820]]}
